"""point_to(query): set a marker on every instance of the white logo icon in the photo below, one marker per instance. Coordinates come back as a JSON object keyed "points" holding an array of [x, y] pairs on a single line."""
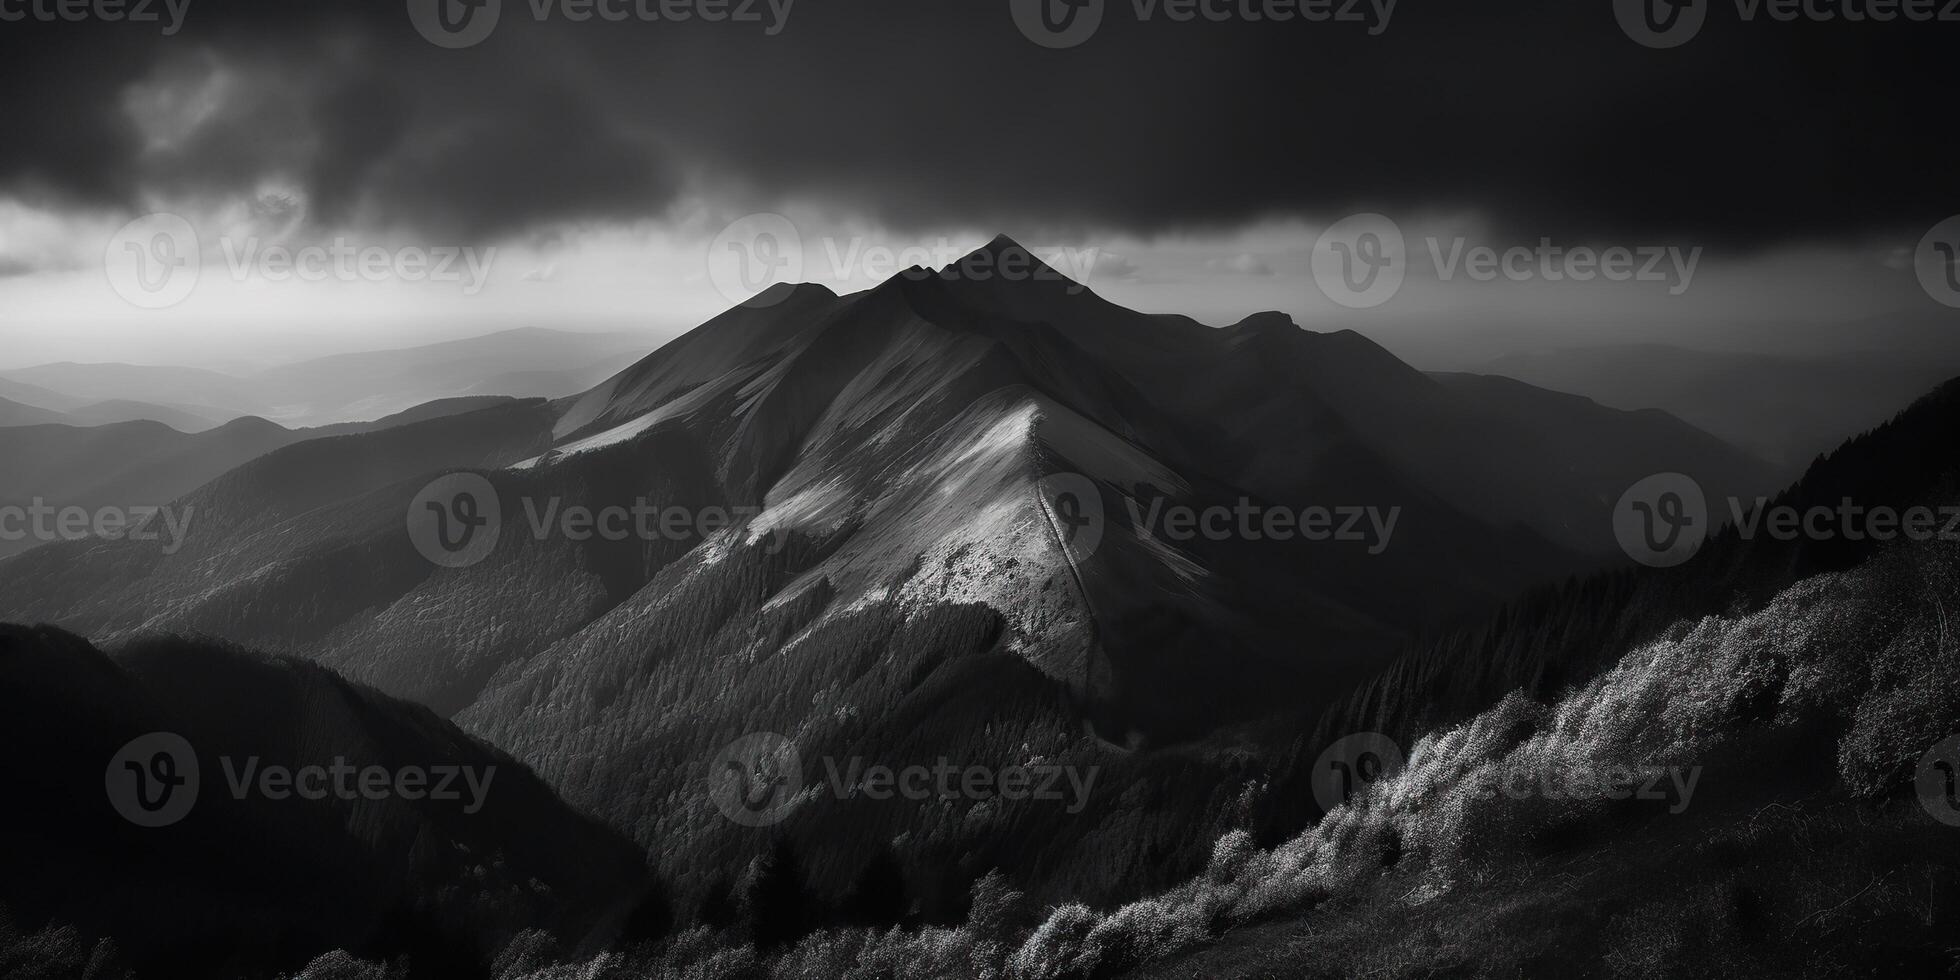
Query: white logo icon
{"points": [[1662, 521], [1937, 262], [1361, 261], [154, 261], [752, 254], [456, 520]]}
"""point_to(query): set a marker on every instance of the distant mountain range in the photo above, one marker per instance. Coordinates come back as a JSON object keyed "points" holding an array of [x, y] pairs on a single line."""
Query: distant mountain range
{"points": [[526, 363], [1785, 409], [147, 464]]}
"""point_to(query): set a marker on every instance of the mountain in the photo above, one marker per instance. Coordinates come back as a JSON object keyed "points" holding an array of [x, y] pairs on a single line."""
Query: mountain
{"points": [[1556, 637], [141, 464], [37, 396], [440, 408], [1785, 408], [555, 384], [81, 413], [14, 413], [90, 383], [123, 410], [899, 572], [1552, 467], [1741, 764], [247, 878], [1763, 786], [125, 465]]}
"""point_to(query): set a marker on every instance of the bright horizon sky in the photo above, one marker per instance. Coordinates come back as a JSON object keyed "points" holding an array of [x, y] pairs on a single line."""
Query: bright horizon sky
{"points": [[659, 278]]}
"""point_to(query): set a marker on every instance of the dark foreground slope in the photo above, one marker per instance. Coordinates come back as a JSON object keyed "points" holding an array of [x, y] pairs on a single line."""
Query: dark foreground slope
{"points": [[251, 886]]}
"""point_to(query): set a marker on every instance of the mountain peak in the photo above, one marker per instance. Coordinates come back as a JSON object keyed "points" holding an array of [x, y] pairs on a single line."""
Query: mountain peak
{"points": [[1001, 260], [1002, 243]]}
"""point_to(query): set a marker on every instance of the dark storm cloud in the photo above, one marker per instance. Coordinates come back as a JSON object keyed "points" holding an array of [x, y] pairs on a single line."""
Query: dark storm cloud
{"points": [[1541, 114]]}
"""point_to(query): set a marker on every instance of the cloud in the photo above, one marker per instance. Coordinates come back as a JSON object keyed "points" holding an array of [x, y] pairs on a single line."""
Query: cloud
{"points": [[928, 115], [1111, 267], [1243, 264]]}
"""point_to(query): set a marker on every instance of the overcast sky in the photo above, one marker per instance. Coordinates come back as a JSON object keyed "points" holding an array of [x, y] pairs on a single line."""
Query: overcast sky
{"points": [[1185, 166]]}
